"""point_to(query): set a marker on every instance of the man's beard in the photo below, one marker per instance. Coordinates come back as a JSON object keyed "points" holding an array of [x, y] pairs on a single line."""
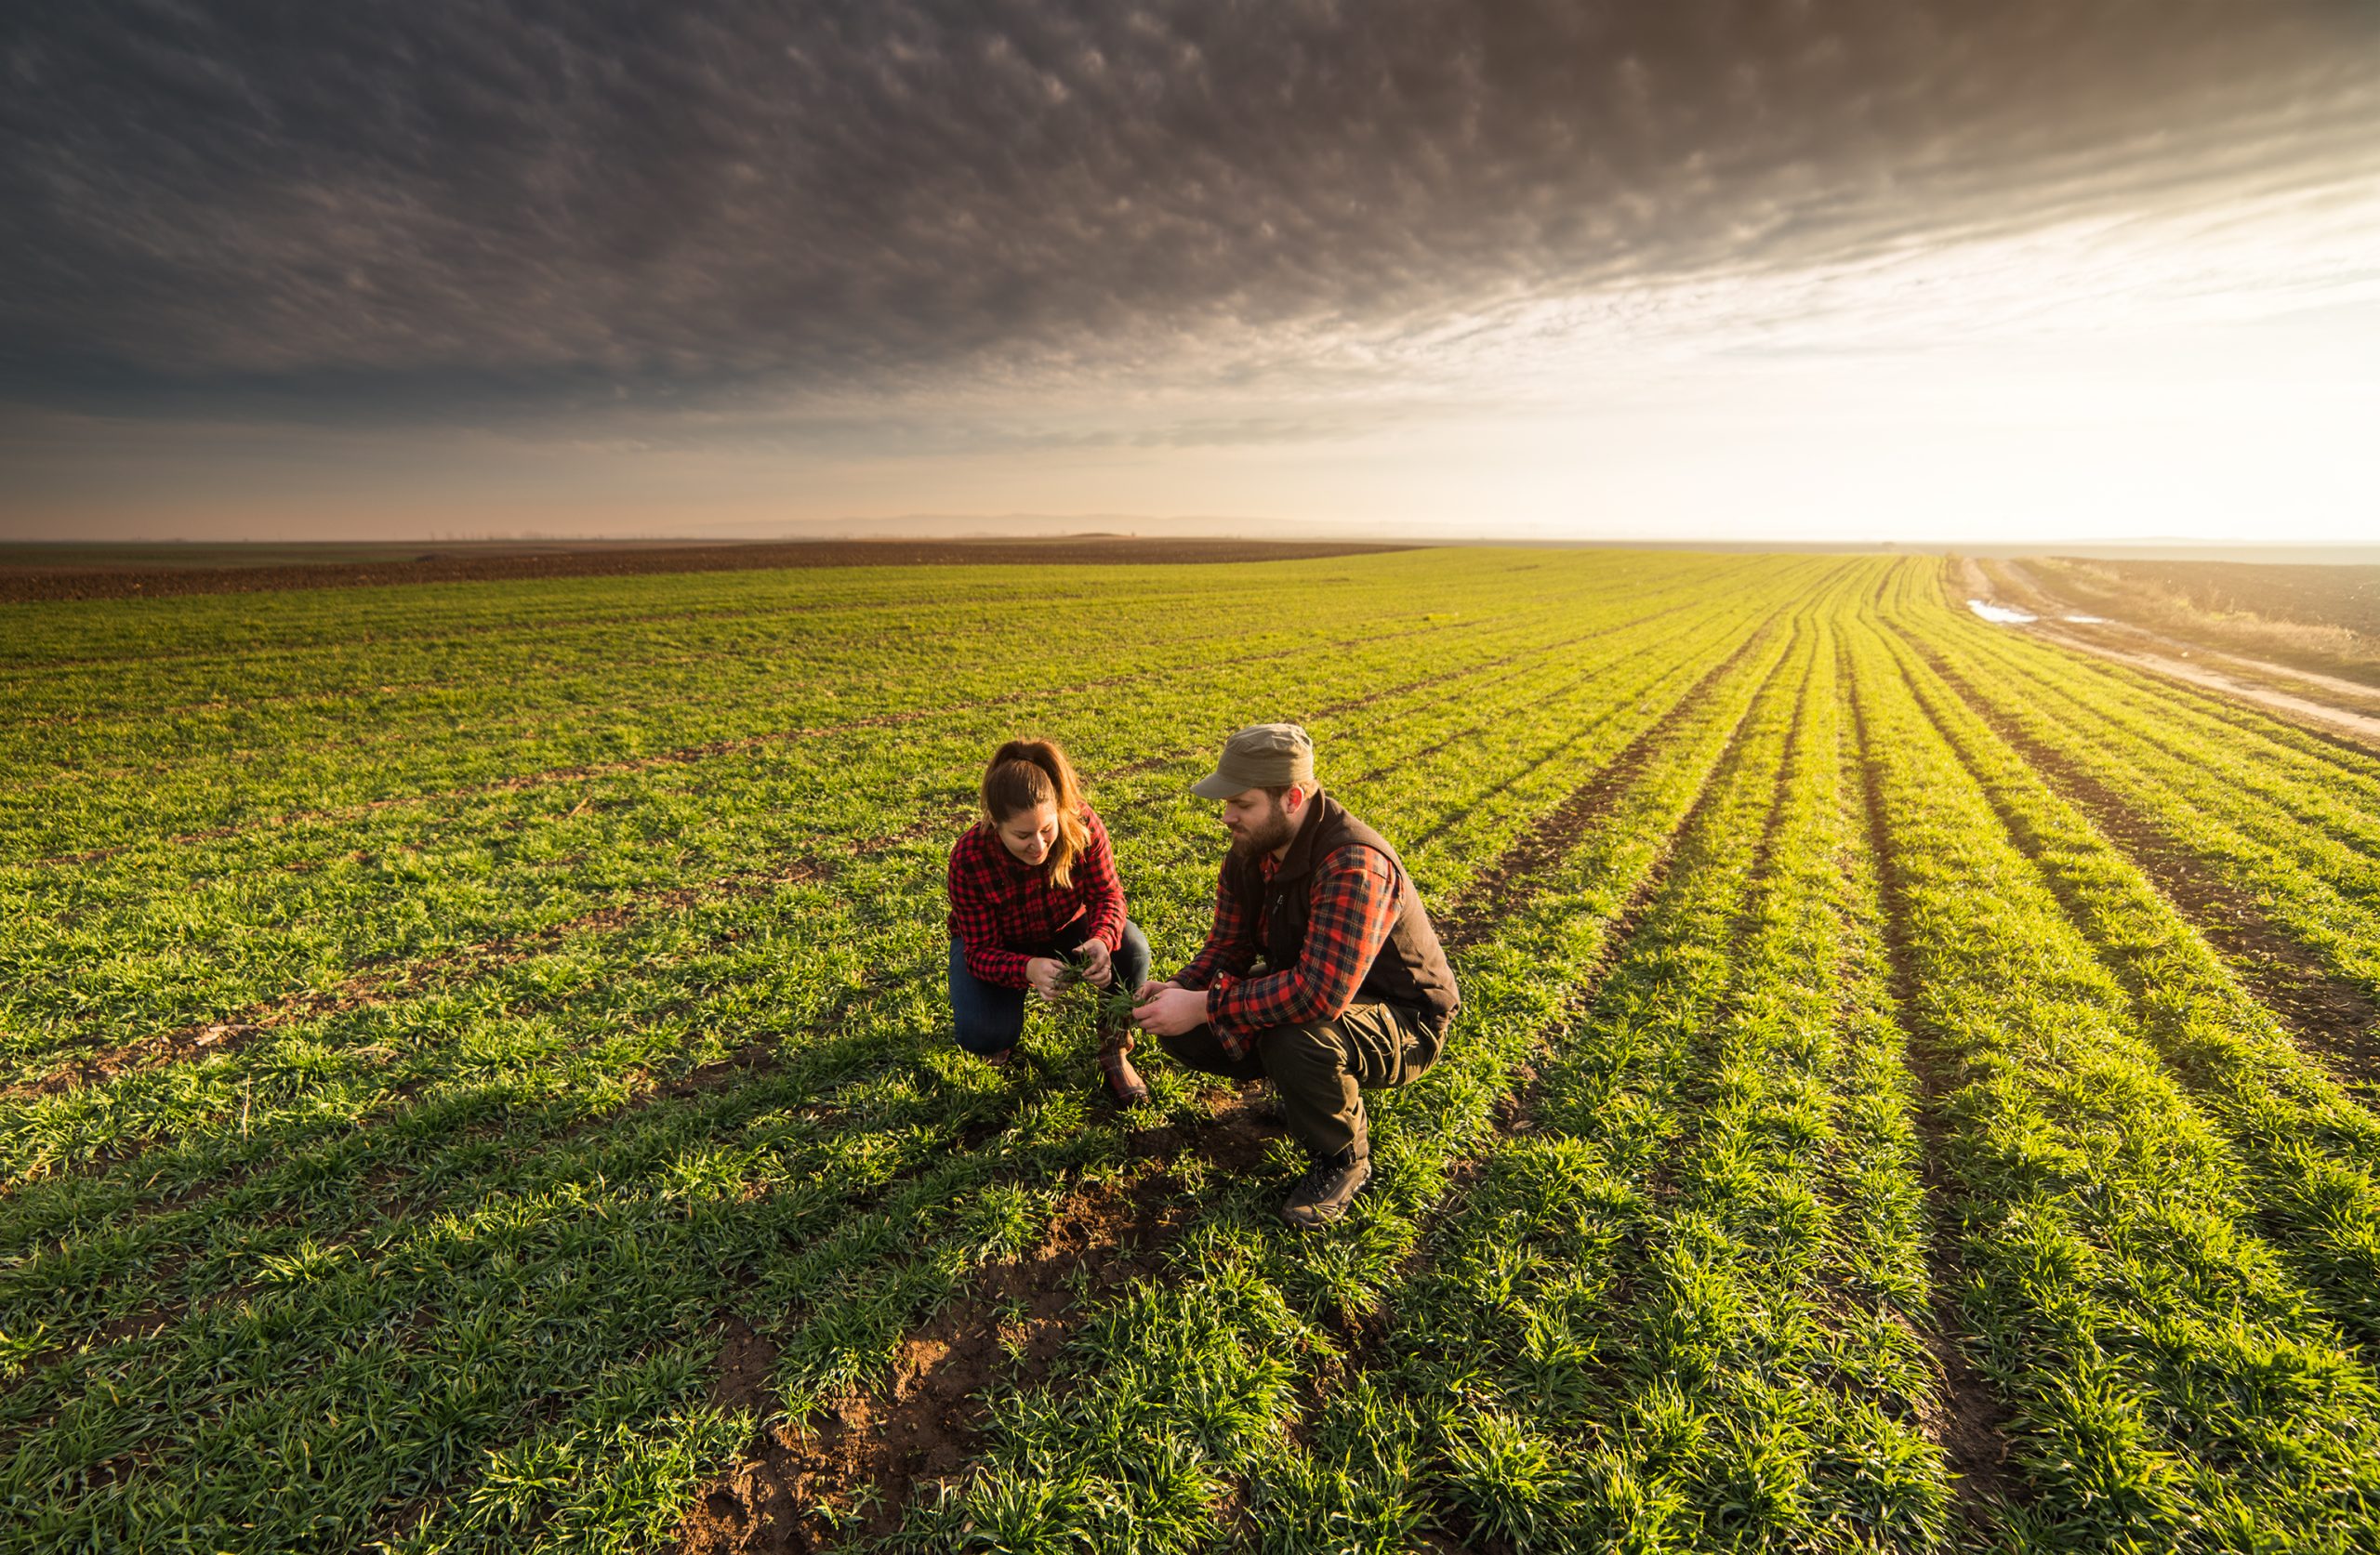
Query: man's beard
{"points": [[1266, 835]]}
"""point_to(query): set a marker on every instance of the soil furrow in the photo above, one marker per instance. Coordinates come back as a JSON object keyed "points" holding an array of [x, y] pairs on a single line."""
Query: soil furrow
{"points": [[1969, 1420], [2326, 1013], [1006, 1327]]}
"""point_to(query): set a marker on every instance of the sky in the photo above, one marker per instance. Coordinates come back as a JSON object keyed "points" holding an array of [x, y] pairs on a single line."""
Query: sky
{"points": [[1930, 270]]}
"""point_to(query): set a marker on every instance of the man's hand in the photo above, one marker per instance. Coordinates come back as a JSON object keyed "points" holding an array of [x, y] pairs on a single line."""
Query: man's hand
{"points": [[1041, 975], [1096, 969], [1149, 990], [1168, 1011]]}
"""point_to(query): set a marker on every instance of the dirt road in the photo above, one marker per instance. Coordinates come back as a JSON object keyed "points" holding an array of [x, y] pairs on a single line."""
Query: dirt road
{"points": [[2304, 696]]}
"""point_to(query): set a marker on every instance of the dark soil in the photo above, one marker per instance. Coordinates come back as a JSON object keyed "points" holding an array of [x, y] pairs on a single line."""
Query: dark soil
{"points": [[2331, 594], [21, 582], [1007, 1326]]}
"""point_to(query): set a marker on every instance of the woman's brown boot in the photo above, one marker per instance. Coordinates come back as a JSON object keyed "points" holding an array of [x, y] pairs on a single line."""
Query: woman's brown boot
{"points": [[1125, 1085]]}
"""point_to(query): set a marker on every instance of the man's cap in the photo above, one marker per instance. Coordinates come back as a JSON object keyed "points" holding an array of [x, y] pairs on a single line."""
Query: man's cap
{"points": [[1262, 756]]}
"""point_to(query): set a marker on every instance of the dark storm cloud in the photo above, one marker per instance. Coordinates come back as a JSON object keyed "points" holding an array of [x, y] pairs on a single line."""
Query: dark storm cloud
{"points": [[438, 208]]}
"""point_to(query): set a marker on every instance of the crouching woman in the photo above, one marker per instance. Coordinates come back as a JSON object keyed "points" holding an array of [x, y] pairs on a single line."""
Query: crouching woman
{"points": [[1033, 886]]}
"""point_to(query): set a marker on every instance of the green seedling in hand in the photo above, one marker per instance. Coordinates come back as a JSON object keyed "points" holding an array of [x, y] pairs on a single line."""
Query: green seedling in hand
{"points": [[1111, 1006], [1116, 1005]]}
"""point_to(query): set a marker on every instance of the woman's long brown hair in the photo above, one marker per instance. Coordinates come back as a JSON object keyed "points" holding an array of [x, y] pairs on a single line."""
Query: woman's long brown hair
{"points": [[1024, 774]]}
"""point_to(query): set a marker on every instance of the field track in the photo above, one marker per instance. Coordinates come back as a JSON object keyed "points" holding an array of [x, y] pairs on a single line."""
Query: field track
{"points": [[2344, 709], [475, 1075], [24, 577]]}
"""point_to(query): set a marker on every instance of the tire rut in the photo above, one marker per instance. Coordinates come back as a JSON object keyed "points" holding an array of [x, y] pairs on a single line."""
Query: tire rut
{"points": [[1969, 1420]]}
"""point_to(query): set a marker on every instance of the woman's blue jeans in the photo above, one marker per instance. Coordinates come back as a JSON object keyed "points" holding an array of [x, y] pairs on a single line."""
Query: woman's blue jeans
{"points": [[989, 1020]]}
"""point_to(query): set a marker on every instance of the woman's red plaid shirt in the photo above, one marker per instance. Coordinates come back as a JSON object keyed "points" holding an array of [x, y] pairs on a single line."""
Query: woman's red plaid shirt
{"points": [[1005, 911]]}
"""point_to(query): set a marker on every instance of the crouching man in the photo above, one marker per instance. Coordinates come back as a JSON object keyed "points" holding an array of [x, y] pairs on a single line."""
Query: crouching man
{"points": [[1353, 993]]}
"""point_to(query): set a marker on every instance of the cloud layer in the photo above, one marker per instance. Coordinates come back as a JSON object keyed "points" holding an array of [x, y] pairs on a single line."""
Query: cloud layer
{"points": [[444, 210]]}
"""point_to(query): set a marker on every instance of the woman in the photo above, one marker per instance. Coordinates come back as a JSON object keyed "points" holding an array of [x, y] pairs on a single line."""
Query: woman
{"points": [[1032, 883]]}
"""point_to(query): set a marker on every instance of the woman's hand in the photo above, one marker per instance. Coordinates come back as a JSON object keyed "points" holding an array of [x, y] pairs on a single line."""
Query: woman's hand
{"points": [[1041, 975], [1096, 969]]}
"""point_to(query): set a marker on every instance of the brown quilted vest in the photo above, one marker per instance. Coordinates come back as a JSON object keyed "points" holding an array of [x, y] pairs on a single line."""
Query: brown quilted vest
{"points": [[1410, 969]]}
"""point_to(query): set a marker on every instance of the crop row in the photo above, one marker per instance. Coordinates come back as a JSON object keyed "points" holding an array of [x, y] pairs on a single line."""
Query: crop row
{"points": [[1677, 1308], [440, 1259], [1681, 1309], [2306, 1148], [2286, 818], [2166, 1371], [1176, 1398]]}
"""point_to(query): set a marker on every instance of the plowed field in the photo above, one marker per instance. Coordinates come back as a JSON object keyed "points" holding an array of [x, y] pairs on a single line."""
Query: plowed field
{"points": [[475, 1075]]}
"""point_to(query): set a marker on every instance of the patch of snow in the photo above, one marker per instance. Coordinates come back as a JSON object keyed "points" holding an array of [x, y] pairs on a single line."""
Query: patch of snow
{"points": [[2001, 614]]}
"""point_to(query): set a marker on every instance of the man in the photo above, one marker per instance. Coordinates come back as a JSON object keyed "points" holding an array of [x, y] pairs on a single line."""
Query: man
{"points": [[1355, 990]]}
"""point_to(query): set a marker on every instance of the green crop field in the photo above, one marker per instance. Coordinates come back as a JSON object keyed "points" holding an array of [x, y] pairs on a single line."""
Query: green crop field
{"points": [[475, 1074]]}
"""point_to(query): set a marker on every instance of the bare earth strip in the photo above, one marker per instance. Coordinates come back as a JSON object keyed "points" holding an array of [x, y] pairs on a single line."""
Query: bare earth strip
{"points": [[21, 583], [2174, 642], [2364, 728]]}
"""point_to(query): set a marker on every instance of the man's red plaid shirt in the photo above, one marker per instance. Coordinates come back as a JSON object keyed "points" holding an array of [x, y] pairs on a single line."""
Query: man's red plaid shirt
{"points": [[1005, 911], [1349, 911]]}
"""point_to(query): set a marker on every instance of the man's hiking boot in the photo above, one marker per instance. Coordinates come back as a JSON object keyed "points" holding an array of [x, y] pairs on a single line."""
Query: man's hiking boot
{"points": [[1328, 1186], [1125, 1087]]}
